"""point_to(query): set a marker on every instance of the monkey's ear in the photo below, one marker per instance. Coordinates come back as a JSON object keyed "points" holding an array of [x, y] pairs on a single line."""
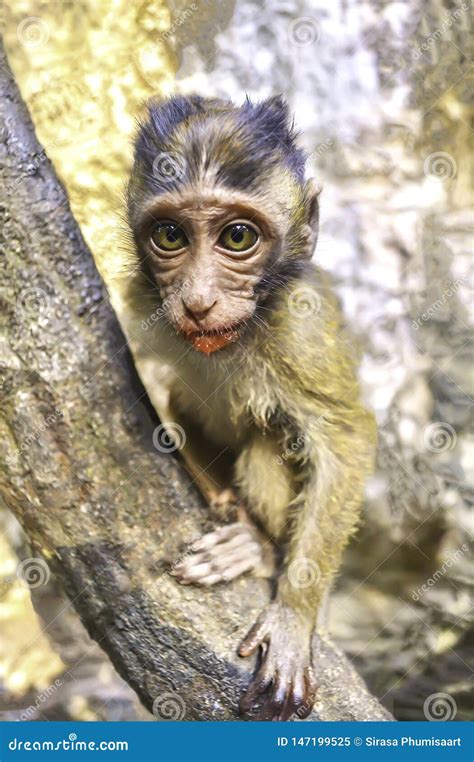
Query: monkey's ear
{"points": [[312, 190]]}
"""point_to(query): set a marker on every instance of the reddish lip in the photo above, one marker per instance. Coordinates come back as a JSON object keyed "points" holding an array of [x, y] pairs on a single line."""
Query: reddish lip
{"points": [[209, 341]]}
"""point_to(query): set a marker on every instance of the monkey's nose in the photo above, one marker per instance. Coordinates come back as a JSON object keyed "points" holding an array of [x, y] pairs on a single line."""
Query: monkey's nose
{"points": [[198, 312]]}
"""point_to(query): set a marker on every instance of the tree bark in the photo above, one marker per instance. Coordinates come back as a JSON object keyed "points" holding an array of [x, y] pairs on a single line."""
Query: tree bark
{"points": [[105, 510]]}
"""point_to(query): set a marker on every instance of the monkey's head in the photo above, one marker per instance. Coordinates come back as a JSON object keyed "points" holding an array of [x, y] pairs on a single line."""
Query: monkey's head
{"points": [[220, 211]]}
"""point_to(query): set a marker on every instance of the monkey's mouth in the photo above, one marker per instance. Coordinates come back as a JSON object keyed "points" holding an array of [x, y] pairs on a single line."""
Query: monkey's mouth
{"points": [[210, 341]]}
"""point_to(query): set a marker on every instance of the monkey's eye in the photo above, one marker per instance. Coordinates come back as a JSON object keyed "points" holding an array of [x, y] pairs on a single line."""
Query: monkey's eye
{"points": [[169, 236], [238, 237]]}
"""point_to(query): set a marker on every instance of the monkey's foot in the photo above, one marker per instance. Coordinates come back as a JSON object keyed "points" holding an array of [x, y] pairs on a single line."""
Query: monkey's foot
{"points": [[220, 556], [284, 685]]}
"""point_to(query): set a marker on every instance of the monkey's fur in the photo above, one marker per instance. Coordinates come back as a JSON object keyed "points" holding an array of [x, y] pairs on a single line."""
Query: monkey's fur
{"points": [[281, 394]]}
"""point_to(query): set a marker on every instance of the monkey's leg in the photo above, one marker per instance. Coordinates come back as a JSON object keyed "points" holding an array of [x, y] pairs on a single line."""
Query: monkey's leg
{"points": [[323, 515], [224, 554]]}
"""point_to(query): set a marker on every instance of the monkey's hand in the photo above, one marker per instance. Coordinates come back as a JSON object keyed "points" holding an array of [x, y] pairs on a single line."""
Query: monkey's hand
{"points": [[220, 556], [284, 684]]}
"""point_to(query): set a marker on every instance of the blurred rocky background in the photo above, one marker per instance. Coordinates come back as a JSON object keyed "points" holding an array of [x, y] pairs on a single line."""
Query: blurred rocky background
{"points": [[382, 92]]}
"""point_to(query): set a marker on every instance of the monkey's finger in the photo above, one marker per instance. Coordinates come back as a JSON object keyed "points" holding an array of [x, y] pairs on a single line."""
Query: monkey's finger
{"points": [[226, 554], [310, 682], [238, 568], [274, 704], [309, 695], [291, 703], [259, 685], [227, 575], [208, 569], [295, 698], [192, 572], [222, 534], [254, 638], [210, 580]]}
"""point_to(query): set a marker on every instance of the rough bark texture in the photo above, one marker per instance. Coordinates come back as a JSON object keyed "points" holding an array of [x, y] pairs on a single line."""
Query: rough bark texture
{"points": [[105, 508]]}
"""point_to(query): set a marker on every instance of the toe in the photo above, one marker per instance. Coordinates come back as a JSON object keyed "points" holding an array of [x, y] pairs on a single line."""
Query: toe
{"points": [[257, 687], [274, 704]]}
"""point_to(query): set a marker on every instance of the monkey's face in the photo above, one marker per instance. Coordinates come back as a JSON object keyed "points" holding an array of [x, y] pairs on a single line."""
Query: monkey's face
{"points": [[208, 253]]}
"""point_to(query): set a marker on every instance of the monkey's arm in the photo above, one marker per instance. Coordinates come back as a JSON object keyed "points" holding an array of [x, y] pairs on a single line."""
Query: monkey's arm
{"points": [[334, 461]]}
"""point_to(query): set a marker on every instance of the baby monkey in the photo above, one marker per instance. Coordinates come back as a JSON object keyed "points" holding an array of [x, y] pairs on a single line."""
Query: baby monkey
{"points": [[224, 225]]}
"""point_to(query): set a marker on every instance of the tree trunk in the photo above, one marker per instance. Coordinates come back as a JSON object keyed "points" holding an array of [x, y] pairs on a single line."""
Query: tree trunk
{"points": [[106, 509]]}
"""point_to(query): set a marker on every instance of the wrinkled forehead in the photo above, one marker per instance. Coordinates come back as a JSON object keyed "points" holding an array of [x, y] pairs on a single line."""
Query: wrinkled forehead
{"points": [[201, 203]]}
